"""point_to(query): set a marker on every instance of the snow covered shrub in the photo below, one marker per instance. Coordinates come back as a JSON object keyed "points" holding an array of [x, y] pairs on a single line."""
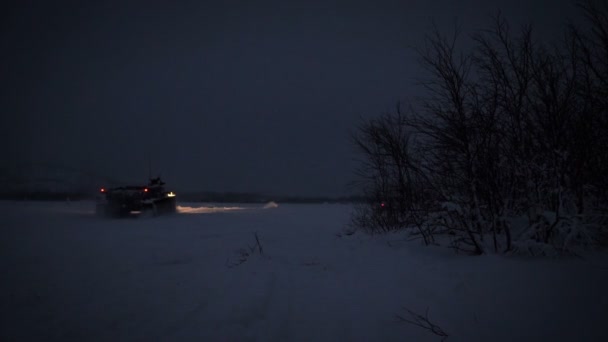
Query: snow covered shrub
{"points": [[397, 196], [369, 221], [513, 128], [551, 236]]}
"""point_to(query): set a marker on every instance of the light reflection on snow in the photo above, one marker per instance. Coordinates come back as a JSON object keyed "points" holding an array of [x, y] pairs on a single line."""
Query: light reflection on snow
{"points": [[192, 208], [207, 210]]}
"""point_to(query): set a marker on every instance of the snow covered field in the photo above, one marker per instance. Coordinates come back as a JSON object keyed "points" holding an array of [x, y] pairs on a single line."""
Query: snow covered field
{"points": [[69, 276]]}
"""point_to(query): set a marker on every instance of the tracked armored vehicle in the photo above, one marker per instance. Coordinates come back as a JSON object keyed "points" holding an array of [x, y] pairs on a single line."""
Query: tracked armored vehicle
{"points": [[136, 200]]}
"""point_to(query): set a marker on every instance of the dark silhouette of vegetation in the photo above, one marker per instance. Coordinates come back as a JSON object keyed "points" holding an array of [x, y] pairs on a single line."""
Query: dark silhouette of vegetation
{"points": [[512, 129]]}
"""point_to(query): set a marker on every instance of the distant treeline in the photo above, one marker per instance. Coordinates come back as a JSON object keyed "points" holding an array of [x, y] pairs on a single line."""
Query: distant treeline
{"points": [[225, 197]]}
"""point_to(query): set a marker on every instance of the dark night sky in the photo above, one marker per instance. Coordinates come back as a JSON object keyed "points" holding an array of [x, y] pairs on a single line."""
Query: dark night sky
{"points": [[225, 95]]}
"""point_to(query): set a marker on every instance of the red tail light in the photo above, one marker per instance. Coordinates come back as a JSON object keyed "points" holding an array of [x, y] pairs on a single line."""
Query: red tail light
{"points": [[146, 190], [102, 190]]}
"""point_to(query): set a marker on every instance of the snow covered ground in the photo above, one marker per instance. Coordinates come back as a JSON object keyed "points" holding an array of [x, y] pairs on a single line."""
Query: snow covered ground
{"points": [[69, 276]]}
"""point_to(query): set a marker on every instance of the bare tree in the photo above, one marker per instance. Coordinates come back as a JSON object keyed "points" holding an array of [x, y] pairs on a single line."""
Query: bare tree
{"points": [[423, 322], [389, 178], [512, 128]]}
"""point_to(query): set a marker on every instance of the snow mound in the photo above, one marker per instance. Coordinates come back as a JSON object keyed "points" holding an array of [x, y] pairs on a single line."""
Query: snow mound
{"points": [[271, 205]]}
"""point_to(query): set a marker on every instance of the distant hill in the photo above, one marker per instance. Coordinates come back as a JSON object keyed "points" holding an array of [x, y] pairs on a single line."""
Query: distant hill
{"points": [[47, 181]]}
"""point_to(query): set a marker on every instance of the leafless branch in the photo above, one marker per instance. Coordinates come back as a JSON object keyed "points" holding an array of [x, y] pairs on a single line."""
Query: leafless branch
{"points": [[422, 322]]}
